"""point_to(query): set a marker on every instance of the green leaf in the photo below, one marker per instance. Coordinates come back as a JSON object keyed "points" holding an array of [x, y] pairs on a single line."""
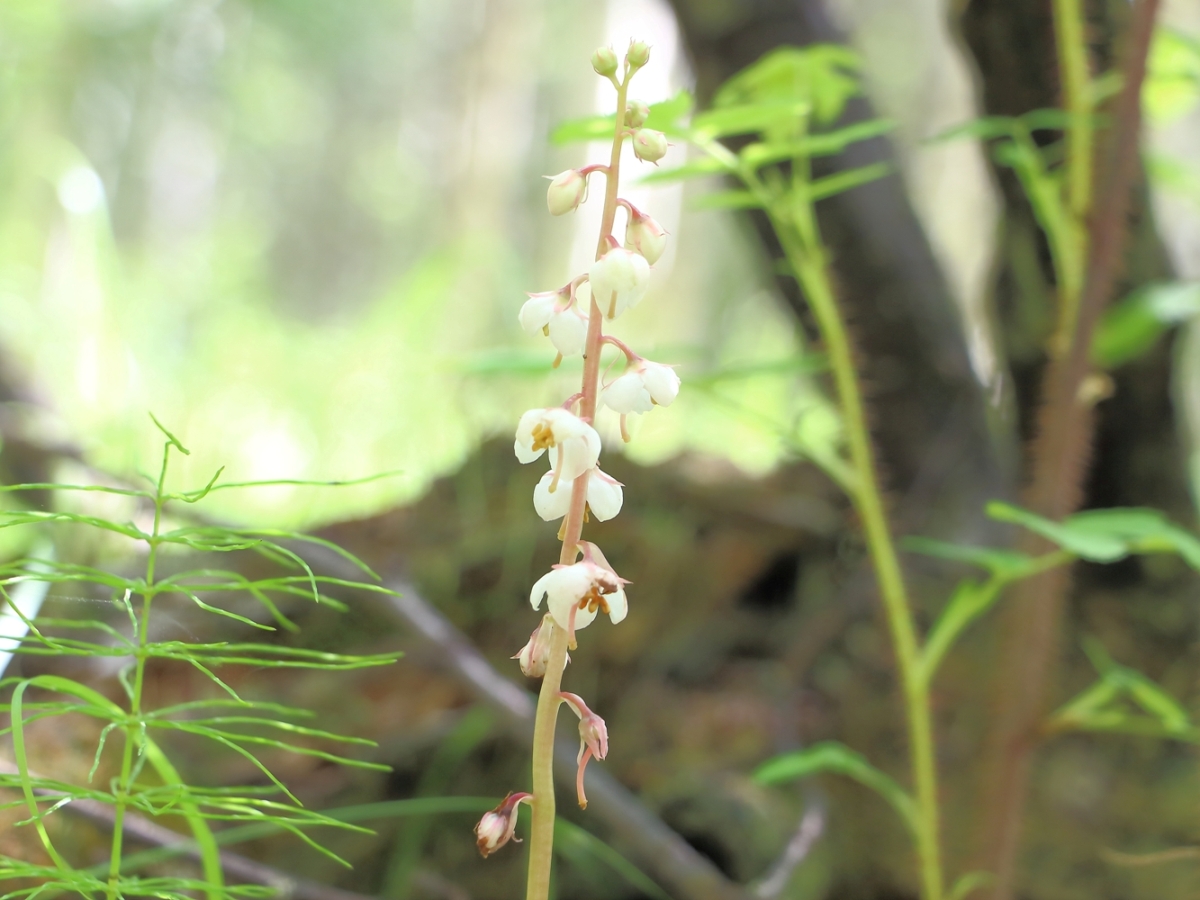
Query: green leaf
{"points": [[1008, 563], [761, 154], [984, 128], [830, 756], [1134, 325], [733, 120], [727, 200], [704, 166], [968, 883], [823, 75], [574, 843], [1095, 546], [969, 601], [664, 116], [844, 181]]}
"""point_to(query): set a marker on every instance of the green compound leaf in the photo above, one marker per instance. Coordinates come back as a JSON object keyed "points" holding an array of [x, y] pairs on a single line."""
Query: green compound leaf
{"points": [[749, 119], [727, 200], [830, 756], [1134, 325], [664, 116], [844, 181], [1086, 544], [1125, 701], [825, 76], [1008, 563], [697, 168]]}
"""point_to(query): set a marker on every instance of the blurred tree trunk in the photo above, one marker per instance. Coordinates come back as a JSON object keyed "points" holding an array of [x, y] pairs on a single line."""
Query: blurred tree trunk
{"points": [[942, 445]]}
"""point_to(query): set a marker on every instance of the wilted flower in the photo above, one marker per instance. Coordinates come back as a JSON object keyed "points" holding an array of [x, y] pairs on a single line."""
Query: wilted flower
{"points": [[535, 655], [593, 739], [644, 385], [552, 499], [618, 280], [649, 145], [575, 594], [496, 828], [577, 442]]}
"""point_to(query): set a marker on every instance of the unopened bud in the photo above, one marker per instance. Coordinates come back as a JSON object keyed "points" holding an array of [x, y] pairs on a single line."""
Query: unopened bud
{"points": [[645, 236], [604, 61], [566, 192], [636, 113], [649, 145], [638, 54]]}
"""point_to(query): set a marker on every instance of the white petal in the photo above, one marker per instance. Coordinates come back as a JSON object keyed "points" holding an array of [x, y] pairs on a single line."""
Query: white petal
{"points": [[627, 394], [580, 454], [662, 383], [604, 496], [618, 606], [539, 589], [568, 332], [561, 607], [525, 453], [535, 314], [621, 271], [564, 425], [551, 506]]}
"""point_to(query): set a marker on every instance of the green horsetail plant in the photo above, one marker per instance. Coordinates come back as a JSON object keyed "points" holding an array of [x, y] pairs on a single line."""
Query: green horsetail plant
{"points": [[130, 742]]}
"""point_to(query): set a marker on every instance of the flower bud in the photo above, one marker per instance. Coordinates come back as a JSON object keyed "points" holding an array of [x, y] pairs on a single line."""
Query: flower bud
{"points": [[645, 236], [649, 145], [636, 113], [638, 54], [604, 61], [566, 192], [496, 828]]}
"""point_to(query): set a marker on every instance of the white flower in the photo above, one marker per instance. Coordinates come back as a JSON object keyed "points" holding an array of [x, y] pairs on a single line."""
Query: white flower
{"points": [[641, 388], [568, 331], [555, 313], [619, 280], [552, 498], [576, 593], [567, 190], [646, 236], [577, 442], [496, 828]]}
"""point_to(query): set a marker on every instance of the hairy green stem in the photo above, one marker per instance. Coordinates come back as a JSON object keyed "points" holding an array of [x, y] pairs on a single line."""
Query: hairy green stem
{"points": [[541, 832], [805, 252], [1075, 76]]}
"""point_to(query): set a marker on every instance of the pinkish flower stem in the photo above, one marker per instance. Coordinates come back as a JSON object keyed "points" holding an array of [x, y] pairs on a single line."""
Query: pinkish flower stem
{"points": [[541, 832]]}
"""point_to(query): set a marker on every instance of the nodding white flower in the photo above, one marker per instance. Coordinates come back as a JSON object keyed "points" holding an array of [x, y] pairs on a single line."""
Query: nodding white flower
{"points": [[593, 739], [576, 441], [496, 828], [552, 498], [535, 655], [644, 385], [649, 145], [619, 280], [555, 313], [646, 236], [576, 594], [567, 190]]}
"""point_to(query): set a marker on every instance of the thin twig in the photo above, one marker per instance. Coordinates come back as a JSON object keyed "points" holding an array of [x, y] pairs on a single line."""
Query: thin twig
{"points": [[812, 826]]}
